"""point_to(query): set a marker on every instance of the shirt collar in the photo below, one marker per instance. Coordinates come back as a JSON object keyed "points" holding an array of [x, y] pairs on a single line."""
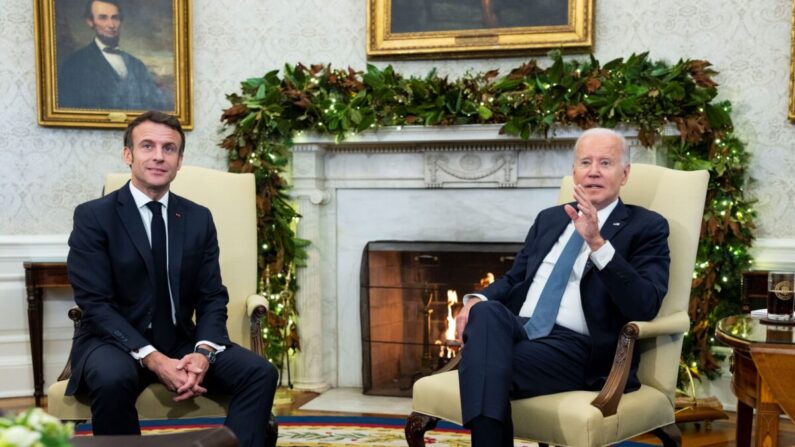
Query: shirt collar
{"points": [[101, 45], [142, 199], [604, 213]]}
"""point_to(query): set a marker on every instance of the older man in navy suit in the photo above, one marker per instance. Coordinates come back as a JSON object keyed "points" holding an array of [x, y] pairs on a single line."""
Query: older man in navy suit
{"points": [[143, 263], [102, 76], [551, 323]]}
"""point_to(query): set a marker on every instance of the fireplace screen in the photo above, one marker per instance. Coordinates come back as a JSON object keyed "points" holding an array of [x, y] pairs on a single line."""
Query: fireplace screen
{"points": [[409, 297]]}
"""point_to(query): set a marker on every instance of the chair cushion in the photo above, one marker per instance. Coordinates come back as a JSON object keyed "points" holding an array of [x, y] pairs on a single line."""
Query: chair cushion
{"points": [[556, 419], [156, 402]]}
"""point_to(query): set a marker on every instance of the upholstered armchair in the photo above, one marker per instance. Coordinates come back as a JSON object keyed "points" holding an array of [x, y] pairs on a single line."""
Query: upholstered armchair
{"points": [[231, 198], [591, 418]]}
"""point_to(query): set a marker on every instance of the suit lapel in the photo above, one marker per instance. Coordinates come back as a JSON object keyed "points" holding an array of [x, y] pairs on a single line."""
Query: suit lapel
{"points": [[176, 235], [553, 229], [131, 219]]}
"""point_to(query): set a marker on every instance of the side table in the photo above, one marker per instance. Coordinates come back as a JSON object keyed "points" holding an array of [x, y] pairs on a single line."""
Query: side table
{"points": [[40, 275], [762, 364]]}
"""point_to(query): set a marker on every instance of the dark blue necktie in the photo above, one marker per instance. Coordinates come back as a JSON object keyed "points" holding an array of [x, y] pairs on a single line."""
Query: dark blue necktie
{"points": [[163, 330], [546, 311]]}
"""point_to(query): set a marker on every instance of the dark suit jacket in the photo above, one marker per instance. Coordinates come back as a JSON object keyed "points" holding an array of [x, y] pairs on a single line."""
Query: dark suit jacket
{"points": [[110, 267], [630, 288], [87, 81]]}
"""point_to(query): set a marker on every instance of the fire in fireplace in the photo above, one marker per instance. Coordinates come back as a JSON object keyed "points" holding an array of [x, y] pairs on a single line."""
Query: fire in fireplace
{"points": [[408, 302]]}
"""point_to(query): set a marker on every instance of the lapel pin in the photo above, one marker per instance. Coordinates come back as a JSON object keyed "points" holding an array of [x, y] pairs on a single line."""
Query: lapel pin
{"points": [[178, 215], [615, 224]]}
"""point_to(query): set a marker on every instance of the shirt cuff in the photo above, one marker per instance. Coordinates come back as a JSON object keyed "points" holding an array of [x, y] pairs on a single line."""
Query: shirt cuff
{"points": [[218, 348], [468, 296], [140, 353], [603, 256]]}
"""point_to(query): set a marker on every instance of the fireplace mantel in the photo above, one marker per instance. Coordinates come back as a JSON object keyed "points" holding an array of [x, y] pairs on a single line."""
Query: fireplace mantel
{"points": [[457, 183]]}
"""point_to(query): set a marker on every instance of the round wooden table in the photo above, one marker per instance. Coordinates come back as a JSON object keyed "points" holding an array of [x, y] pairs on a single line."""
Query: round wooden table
{"points": [[763, 368]]}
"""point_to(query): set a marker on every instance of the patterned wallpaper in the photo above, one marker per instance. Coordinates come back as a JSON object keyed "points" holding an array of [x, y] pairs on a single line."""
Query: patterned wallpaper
{"points": [[45, 172]]}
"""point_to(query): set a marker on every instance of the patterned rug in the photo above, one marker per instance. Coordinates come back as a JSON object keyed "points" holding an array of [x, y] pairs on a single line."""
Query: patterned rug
{"points": [[332, 431]]}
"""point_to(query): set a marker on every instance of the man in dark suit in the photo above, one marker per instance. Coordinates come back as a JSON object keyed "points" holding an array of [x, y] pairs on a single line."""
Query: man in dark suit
{"points": [[101, 76], [551, 323], [143, 263]]}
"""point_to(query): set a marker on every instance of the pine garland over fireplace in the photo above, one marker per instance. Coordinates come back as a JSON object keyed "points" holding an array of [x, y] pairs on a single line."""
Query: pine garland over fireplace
{"points": [[268, 111]]}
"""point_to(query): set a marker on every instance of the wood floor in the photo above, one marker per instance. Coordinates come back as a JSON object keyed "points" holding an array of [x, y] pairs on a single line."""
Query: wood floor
{"points": [[694, 435]]}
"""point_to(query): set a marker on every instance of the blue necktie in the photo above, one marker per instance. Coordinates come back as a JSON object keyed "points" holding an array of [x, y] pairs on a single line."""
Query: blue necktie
{"points": [[163, 330], [546, 311]]}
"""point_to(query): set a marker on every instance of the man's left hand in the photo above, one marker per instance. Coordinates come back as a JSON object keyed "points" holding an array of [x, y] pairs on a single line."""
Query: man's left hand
{"points": [[196, 366], [587, 221]]}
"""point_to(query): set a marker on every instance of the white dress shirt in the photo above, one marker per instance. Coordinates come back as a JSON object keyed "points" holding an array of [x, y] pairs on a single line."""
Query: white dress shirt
{"points": [[115, 60], [570, 314], [141, 200]]}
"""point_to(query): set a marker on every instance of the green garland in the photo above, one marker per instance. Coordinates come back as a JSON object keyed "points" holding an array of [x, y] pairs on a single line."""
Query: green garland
{"points": [[530, 100]]}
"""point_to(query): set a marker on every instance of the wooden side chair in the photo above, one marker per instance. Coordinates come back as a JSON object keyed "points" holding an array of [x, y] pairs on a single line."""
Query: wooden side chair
{"points": [[591, 418], [231, 198]]}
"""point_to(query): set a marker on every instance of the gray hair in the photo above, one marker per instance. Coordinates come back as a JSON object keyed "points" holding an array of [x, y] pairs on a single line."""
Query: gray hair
{"points": [[602, 131]]}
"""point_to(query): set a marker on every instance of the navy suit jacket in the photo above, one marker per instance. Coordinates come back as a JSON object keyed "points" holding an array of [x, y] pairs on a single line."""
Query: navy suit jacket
{"points": [[631, 287], [86, 80], [111, 269]]}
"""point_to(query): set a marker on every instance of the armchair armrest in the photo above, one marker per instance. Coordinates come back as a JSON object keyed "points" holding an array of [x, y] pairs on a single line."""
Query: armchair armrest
{"points": [[75, 314], [610, 395], [676, 323], [257, 310]]}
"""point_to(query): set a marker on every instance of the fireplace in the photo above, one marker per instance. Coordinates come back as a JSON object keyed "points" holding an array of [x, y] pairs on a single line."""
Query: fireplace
{"points": [[409, 296]]}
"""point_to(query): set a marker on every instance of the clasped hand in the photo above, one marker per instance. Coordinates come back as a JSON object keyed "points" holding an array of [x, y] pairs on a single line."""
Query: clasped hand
{"points": [[183, 376]]}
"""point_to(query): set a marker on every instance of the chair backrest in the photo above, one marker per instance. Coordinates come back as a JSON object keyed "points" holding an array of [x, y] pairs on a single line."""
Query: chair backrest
{"points": [[231, 199], [679, 197]]}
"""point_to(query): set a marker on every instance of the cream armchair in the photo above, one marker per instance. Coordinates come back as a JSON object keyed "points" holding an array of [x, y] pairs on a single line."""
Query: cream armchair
{"points": [[590, 418], [231, 198]]}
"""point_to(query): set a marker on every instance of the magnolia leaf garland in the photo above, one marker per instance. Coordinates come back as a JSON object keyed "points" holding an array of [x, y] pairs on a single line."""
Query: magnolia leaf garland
{"points": [[530, 100]]}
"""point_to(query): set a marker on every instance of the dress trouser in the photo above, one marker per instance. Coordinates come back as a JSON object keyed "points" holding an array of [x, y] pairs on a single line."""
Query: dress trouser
{"points": [[113, 381], [499, 363]]}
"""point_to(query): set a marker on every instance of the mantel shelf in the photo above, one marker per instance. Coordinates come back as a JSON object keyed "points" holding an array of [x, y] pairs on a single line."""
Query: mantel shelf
{"points": [[443, 134]]}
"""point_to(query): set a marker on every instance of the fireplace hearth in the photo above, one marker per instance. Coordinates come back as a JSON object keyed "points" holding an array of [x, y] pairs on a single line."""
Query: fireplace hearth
{"points": [[409, 297]]}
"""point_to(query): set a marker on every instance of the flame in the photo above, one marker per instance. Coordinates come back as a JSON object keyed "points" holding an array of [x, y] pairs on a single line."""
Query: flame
{"points": [[452, 298]]}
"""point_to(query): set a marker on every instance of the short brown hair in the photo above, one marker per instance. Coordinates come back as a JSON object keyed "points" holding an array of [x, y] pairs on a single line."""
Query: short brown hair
{"points": [[155, 117]]}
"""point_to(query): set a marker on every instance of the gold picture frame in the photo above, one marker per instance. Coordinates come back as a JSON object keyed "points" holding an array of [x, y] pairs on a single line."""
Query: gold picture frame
{"points": [[446, 28], [791, 110], [101, 63]]}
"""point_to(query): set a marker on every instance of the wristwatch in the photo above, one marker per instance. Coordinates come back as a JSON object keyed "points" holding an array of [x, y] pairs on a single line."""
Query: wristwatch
{"points": [[211, 355]]}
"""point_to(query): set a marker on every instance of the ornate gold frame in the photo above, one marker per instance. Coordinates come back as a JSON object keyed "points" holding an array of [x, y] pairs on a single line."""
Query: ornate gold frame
{"points": [[382, 43], [49, 114], [791, 114]]}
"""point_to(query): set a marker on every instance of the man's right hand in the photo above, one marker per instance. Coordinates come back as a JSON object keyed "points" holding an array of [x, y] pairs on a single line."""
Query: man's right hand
{"points": [[463, 317], [166, 370]]}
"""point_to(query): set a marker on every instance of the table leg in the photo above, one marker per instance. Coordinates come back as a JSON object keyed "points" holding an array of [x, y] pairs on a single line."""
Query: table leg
{"points": [[767, 416], [745, 416], [35, 323]]}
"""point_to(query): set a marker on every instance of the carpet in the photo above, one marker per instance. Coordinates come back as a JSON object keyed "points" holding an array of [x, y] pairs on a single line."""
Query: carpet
{"points": [[332, 431]]}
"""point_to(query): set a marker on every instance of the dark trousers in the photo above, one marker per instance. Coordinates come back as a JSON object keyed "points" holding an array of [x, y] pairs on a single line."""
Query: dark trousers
{"points": [[499, 363], [113, 380]]}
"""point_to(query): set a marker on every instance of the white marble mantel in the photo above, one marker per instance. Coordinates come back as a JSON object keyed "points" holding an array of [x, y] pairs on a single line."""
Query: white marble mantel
{"points": [[458, 183]]}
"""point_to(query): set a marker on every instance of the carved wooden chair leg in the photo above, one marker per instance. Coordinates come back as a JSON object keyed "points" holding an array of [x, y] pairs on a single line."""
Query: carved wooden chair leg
{"points": [[416, 426], [670, 435], [271, 432]]}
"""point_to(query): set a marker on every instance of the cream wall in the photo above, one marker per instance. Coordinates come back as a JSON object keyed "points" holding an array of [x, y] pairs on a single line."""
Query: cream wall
{"points": [[45, 172]]}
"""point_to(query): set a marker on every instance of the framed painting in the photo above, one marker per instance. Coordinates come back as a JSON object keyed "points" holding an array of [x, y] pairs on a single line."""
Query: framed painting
{"points": [[476, 28], [101, 63]]}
